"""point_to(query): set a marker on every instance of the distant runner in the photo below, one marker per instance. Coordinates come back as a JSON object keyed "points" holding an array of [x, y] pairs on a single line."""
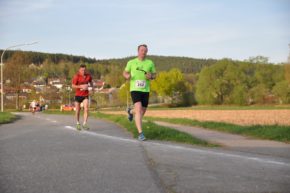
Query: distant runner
{"points": [[139, 71], [33, 106], [81, 82]]}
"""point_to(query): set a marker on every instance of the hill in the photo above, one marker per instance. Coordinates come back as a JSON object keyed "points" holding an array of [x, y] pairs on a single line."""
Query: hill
{"points": [[163, 63]]}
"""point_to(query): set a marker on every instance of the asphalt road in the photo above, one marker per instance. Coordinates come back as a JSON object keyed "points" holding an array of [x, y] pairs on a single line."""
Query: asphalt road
{"points": [[44, 153]]}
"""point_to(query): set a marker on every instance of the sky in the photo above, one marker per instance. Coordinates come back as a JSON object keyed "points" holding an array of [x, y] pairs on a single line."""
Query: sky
{"points": [[104, 29]]}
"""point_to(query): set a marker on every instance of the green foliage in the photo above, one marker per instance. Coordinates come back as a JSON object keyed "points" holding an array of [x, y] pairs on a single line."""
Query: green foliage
{"points": [[259, 59], [115, 77], [172, 84], [287, 72], [124, 93], [101, 100], [168, 82], [282, 90], [265, 74], [184, 64], [241, 83], [238, 95], [257, 94], [217, 84], [16, 71]]}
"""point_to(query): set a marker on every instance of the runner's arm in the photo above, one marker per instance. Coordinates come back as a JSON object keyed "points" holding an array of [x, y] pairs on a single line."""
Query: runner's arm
{"points": [[151, 75], [82, 86]]}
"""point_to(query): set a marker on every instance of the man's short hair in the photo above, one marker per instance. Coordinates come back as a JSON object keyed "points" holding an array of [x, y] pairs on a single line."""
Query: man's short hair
{"points": [[142, 45], [83, 66]]}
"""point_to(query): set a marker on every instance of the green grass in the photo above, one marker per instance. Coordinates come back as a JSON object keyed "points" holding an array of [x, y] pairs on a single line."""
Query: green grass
{"points": [[6, 117], [150, 129], [272, 132], [153, 131]]}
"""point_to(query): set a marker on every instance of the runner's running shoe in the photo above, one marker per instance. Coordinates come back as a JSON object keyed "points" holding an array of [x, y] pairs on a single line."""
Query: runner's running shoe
{"points": [[130, 115], [141, 137]]}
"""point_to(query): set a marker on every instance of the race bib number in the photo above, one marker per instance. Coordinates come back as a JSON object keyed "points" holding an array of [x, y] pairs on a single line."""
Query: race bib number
{"points": [[140, 84]]}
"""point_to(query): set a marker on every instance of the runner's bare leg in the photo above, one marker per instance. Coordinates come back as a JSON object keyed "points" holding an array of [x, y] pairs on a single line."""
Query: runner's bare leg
{"points": [[143, 111], [86, 110], [138, 116], [77, 115]]}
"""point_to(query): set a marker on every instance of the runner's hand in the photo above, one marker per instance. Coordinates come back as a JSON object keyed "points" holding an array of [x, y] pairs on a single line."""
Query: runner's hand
{"points": [[148, 75], [127, 76], [84, 86]]}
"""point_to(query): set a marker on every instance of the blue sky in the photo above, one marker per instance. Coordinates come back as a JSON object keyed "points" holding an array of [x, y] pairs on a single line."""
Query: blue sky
{"points": [[111, 29]]}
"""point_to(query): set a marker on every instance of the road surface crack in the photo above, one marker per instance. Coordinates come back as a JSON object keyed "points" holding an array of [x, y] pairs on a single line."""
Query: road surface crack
{"points": [[152, 167]]}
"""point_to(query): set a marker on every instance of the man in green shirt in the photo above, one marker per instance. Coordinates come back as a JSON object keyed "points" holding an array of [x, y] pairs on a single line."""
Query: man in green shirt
{"points": [[140, 71]]}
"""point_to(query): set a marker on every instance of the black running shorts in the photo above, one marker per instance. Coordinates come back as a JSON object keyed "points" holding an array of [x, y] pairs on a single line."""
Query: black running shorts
{"points": [[142, 97], [80, 99]]}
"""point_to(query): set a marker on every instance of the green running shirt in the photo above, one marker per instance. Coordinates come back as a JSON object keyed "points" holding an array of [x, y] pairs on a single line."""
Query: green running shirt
{"points": [[138, 81]]}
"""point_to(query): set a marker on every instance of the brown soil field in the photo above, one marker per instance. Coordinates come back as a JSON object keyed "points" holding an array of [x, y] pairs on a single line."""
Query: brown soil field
{"points": [[240, 117]]}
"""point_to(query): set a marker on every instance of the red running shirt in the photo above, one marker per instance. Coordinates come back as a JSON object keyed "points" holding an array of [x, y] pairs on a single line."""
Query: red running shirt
{"points": [[79, 80]]}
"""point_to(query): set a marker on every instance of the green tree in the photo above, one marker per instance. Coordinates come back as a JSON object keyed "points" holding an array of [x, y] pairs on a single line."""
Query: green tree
{"points": [[282, 91], [259, 59], [287, 72], [258, 93], [205, 92], [114, 78], [238, 95], [217, 84], [16, 70], [167, 82], [171, 85], [268, 75]]}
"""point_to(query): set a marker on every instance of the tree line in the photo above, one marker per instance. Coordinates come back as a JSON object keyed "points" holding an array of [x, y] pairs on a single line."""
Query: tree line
{"points": [[181, 81]]}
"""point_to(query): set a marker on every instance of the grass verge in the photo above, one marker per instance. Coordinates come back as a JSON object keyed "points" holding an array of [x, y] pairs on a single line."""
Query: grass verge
{"points": [[6, 117], [151, 130], [271, 132]]}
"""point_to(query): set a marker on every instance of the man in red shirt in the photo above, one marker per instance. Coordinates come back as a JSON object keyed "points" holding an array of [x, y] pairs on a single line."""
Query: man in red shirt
{"points": [[81, 82]]}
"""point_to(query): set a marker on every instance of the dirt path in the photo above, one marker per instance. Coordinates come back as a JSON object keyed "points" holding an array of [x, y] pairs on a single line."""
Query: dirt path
{"points": [[236, 142]]}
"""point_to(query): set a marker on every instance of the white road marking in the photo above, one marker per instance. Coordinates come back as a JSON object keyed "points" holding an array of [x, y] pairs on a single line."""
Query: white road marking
{"points": [[102, 135], [183, 148], [220, 154]]}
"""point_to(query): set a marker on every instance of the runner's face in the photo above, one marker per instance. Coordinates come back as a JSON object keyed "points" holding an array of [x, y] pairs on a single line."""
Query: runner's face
{"points": [[82, 71], [142, 52]]}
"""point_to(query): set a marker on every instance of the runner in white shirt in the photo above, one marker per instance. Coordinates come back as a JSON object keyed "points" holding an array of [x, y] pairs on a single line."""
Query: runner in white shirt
{"points": [[33, 106]]}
